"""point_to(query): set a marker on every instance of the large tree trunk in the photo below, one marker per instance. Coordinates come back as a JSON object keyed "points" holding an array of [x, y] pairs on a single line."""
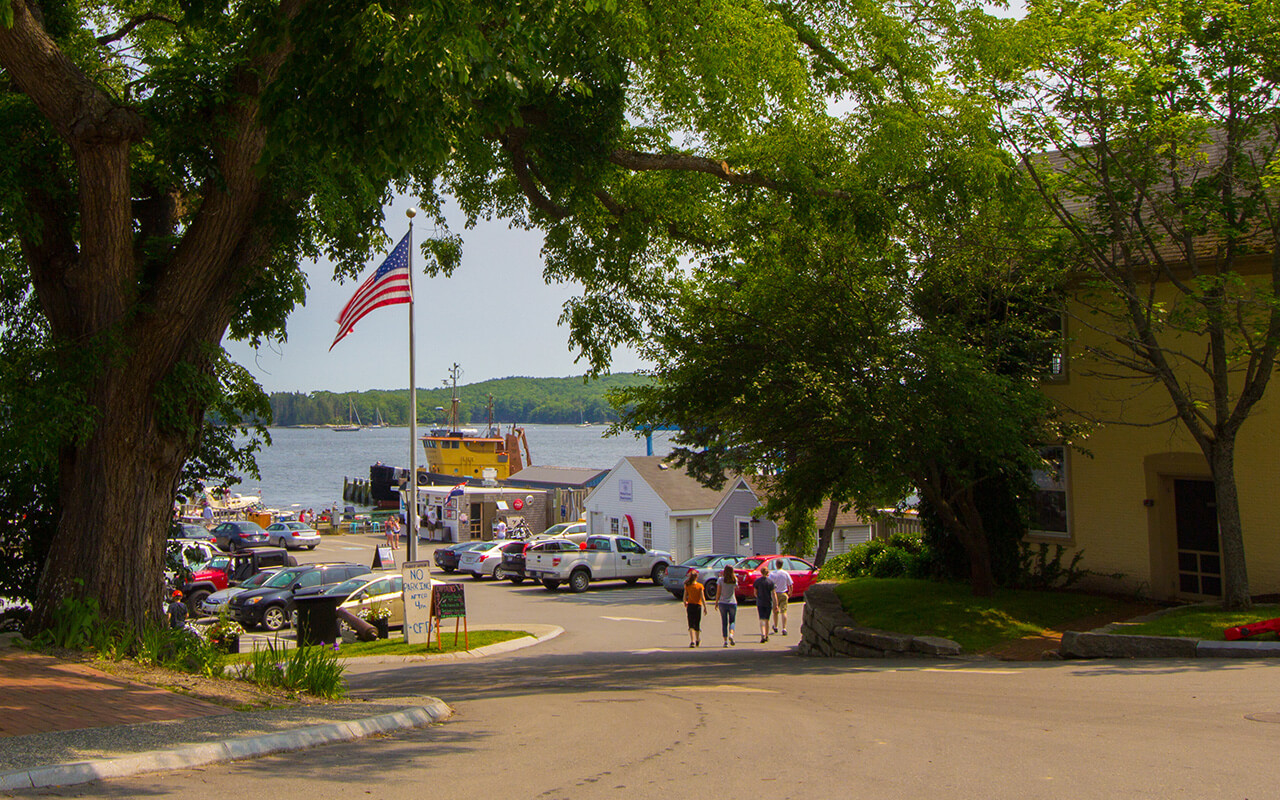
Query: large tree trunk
{"points": [[116, 493], [1235, 570], [959, 514]]}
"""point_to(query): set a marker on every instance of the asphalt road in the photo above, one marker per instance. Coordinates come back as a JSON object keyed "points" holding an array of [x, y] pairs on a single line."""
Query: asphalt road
{"points": [[620, 706]]}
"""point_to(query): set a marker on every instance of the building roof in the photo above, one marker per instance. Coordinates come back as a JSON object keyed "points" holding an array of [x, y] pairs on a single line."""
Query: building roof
{"points": [[675, 486], [574, 477]]}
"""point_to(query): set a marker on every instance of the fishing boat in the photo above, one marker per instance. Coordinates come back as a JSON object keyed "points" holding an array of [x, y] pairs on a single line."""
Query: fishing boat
{"points": [[353, 419], [455, 454]]}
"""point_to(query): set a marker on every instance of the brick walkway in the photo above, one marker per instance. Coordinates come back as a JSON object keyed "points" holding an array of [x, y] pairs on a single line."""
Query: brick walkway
{"points": [[39, 694]]}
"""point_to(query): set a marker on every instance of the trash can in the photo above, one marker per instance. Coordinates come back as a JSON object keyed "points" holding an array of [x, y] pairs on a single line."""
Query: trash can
{"points": [[317, 618]]}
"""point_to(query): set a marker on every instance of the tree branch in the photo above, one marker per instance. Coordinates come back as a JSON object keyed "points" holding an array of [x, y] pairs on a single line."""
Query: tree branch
{"points": [[150, 16]]}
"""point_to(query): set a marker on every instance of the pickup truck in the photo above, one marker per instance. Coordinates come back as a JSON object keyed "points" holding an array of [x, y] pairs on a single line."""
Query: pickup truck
{"points": [[602, 557]]}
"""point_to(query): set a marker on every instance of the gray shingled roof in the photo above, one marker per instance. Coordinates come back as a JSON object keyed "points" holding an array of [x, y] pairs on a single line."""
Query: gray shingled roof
{"points": [[676, 488]]}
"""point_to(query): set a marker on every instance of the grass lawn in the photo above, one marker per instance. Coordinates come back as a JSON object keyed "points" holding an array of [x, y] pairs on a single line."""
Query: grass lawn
{"points": [[951, 611], [1203, 622], [396, 646]]}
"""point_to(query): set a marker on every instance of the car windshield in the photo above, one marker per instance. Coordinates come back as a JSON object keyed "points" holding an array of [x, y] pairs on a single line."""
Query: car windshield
{"points": [[218, 562], [281, 579], [556, 530], [256, 580], [750, 563], [698, 561]]}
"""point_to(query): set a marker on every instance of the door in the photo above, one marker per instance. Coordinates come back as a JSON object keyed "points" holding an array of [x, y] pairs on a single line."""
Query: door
{"points": [[684, 539], [632, 560], [744, 537], [601, 557], [1199, 550]]}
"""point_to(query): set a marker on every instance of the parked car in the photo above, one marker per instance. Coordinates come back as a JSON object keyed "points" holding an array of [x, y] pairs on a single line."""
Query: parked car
{"points": [[231, 569], [188, 530], [380, 589], [803, 574], [563, 529], [447, 558], [705, 565], [486, 562], [293, 535], [513, 560], [239, 534], [273, 607], [213, 604]]}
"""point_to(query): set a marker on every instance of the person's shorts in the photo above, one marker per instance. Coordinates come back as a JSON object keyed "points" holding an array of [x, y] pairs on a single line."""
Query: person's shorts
{"points": [[780, 601], [694, 612]]}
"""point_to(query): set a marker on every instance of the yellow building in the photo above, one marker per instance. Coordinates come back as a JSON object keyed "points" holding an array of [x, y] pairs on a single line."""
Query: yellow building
{"points": [[1141, 501]]}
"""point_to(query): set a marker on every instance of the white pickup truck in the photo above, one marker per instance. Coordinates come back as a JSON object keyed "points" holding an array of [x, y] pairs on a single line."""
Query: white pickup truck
{"points": [[602, 557]]}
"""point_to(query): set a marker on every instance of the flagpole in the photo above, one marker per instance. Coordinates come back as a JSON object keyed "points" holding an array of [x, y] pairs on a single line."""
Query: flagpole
{"points": [[413, 415]]}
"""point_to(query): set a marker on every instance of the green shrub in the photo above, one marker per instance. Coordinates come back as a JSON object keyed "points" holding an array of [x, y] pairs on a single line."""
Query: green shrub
{"points": [[314, 670], [902, 555]]}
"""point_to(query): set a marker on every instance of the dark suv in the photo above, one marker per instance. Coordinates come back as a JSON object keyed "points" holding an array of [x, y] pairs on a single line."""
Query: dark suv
{"points": [[239, 534], [231, 569], [274, 608]]}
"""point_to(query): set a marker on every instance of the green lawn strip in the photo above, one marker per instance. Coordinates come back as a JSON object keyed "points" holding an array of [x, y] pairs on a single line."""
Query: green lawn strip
{"points": [[396, 646], [1203, 622], [949, 610]]}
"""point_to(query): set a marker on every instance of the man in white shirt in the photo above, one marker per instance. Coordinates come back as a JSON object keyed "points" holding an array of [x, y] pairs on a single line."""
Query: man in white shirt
{"points": [[500, 530], [781, 586]]}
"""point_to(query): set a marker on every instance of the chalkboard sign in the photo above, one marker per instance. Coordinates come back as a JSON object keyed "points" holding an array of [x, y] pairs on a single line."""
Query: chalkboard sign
{"points": [[447, 600], [382, 558]]}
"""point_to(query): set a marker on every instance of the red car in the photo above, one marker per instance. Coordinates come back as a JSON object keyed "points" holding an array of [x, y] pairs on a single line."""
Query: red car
{"points": [[803, 574]]}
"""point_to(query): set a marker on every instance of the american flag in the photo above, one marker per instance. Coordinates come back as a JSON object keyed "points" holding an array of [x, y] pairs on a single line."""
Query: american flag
{"points": [[386, 287]]}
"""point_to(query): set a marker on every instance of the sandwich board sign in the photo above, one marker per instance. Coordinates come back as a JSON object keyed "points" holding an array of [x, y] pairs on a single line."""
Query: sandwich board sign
{"points": [[417, 601], [448, 600]]}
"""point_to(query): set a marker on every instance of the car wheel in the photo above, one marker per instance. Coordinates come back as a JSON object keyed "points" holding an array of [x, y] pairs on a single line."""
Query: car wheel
{"points": [[551, 586], [579, 580], [311, 547], [677, 595], [273, 618], [447, 570], [632, 581], [659, 572], [195, 599], [499, 574], [516, 579]]}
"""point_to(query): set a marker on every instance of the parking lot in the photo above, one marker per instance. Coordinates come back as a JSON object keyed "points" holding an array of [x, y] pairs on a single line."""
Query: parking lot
{"points": [[609, 617]]}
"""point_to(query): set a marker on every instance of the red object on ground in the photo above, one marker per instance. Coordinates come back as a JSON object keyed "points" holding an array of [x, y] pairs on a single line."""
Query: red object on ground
{"points": [[1253, 628]]}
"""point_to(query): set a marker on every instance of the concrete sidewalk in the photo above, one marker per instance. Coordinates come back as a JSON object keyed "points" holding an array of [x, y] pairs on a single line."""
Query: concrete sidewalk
{"points": [[65, 723]]}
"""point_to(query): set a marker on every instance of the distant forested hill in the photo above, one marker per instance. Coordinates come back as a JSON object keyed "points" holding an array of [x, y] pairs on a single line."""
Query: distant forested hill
{"points": [[538, 400]]}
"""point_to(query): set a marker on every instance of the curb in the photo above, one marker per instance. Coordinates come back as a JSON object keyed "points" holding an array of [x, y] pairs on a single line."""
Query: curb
{"points": [[229, 750]]}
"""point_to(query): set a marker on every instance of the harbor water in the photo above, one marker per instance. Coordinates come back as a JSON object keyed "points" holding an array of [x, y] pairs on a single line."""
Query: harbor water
{"points": [[304, 467]]}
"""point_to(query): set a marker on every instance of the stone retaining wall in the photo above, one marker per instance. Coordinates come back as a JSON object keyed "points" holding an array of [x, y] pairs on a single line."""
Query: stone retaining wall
{"points": [[828, 631]]}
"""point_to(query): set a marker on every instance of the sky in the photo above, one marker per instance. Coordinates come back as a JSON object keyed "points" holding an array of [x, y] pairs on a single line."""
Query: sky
{"points": [[495, 317]]}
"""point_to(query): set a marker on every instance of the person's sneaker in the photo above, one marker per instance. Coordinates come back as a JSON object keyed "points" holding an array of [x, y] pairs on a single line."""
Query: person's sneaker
{"points": [[726, 642], [731, 641], [691, 644], [764, 639], [784, 631]]}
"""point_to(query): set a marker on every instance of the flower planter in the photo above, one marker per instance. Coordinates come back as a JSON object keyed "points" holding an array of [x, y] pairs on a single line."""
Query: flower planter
{"points": [[384, 628]]}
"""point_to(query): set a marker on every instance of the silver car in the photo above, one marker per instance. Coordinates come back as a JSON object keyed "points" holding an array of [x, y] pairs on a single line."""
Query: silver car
{"points": [[292, 535], [707, 567]]}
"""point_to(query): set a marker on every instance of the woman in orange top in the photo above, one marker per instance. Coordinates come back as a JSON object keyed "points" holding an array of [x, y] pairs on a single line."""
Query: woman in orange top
{"points": [[695, 606]]}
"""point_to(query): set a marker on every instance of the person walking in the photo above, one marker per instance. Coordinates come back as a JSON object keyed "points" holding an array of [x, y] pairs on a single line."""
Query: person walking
{"points": [[781, 580], [764, 602], [727, 603], [695, 606]]}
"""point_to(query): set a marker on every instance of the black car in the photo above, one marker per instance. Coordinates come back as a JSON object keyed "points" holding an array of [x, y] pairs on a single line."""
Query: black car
{"points": [[274, 608], [446, 558], [238, 534], [513, 561]]}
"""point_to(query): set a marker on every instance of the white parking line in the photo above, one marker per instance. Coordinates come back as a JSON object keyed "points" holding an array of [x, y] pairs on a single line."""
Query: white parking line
{"points": [[634, 619]]}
